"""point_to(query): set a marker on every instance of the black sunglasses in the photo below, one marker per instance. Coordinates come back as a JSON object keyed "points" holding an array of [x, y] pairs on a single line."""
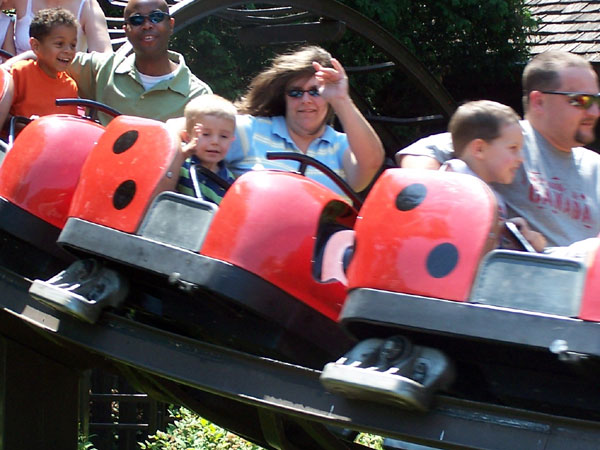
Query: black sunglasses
{"points": [[297, 93], [578, 99], [155, 17]]}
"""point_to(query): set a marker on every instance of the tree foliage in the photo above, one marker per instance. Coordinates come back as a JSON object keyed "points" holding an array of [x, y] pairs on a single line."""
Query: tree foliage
{"points": [[475, 49], [470, 45]]}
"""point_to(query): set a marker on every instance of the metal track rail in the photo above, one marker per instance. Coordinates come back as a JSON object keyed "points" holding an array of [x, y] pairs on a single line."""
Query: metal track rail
{"points": [[293, 390]]}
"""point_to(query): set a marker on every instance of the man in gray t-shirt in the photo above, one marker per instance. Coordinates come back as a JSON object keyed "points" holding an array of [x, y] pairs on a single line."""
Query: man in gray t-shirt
{"points": [[557, 189]]}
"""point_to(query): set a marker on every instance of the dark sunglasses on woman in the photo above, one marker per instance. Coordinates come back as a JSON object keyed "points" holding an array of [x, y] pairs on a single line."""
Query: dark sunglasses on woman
{"points": [[297, 93]]}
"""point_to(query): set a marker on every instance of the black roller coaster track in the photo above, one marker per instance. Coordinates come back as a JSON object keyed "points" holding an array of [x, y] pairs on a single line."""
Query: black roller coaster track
{"points": [[281, 391]]}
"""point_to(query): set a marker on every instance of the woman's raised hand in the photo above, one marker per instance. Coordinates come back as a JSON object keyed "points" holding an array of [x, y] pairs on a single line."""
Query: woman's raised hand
{"points": [[332, 81]]}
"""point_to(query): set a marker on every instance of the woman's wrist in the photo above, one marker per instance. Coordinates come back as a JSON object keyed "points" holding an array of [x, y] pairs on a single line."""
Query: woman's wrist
{"points": [[340, 103]]}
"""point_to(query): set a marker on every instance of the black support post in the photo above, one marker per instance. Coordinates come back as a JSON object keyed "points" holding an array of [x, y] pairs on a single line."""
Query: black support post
{"points": [[38, 400]]}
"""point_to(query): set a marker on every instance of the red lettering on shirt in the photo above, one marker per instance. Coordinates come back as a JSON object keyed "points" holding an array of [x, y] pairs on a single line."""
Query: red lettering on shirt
{"points": [[534, 197], [586, 216], [554, 194]]}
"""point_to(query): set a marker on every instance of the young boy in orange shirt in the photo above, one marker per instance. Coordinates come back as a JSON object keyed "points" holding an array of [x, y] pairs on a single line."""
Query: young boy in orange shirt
{"points": [[38, 83]]}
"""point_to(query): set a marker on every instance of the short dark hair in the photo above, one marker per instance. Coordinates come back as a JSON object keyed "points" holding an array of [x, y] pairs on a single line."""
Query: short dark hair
{"points": [[481, 119], [46, 19], [542, 72]]}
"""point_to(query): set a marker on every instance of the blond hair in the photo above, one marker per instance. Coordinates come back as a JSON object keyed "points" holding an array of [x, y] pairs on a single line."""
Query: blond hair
{"points": [[208, 105]]}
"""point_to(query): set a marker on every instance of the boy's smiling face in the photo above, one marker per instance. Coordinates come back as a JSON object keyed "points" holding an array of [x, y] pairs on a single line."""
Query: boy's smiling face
{"points": [[55, 51], [213, 137]]}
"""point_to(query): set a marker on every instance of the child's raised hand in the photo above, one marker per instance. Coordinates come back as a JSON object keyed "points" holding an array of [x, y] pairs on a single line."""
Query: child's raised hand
{"points": [[188, 147], [198, 129]]}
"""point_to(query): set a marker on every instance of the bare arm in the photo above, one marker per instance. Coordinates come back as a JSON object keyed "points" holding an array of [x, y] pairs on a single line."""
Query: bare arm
{"points": [[7, 98], [9, 40], [426, 153], [417, 162], [365, 153], [93, 23]]}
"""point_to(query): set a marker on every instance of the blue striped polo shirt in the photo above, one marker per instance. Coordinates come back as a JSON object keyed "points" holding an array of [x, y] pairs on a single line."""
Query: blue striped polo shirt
{"points": [[255, 136]]}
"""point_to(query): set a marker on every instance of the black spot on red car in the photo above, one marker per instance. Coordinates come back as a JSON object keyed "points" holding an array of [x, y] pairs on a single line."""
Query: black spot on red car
{"points": [[125, 141], [411, 196], [124, 194], [442, 260]]}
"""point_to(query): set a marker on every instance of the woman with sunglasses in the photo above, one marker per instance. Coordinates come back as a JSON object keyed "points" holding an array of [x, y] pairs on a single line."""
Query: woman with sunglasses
{"points": [[288, 108], [92, 33]]}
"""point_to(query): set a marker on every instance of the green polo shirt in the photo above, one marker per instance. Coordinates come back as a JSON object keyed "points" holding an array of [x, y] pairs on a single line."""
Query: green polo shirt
{"points": [[113, 79]]}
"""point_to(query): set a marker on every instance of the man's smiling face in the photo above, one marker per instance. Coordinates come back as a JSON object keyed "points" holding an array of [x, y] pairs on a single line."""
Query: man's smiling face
{"points": [[148, 39]]}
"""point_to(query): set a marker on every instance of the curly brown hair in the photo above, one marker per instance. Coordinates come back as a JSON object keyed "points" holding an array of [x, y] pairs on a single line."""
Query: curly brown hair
{"points": [[265, 95], [46, 19]]}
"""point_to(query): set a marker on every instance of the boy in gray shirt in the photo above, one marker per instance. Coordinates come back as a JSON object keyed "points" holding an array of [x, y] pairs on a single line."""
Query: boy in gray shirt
{"points": [[557, 188]]}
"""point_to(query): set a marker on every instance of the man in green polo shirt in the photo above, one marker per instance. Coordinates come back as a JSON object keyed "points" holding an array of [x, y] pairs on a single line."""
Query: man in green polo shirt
{"points": [[152, 82]]}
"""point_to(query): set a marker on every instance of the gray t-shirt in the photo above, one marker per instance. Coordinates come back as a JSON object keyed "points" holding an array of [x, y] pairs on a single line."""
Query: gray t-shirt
{"points": [[557, 192]]}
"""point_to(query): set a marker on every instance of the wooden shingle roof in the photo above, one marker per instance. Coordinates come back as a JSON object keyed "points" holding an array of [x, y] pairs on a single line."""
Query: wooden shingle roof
{"points": [[568, 25]]}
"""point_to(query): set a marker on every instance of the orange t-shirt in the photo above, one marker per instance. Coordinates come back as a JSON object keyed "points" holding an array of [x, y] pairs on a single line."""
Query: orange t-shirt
{"points": [[36, 92]]}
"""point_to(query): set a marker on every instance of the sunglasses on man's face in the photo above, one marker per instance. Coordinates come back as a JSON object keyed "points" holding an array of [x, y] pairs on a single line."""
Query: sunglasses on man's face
{"points": [[578, 99], [297, 93], [155, 17]]}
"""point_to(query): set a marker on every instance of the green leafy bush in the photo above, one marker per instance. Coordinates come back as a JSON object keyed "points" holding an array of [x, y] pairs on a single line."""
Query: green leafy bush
{"points": [[191, 432]]}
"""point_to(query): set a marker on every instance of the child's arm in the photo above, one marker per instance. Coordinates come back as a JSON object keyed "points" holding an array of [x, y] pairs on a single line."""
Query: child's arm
{"points": [[535, 238]]}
